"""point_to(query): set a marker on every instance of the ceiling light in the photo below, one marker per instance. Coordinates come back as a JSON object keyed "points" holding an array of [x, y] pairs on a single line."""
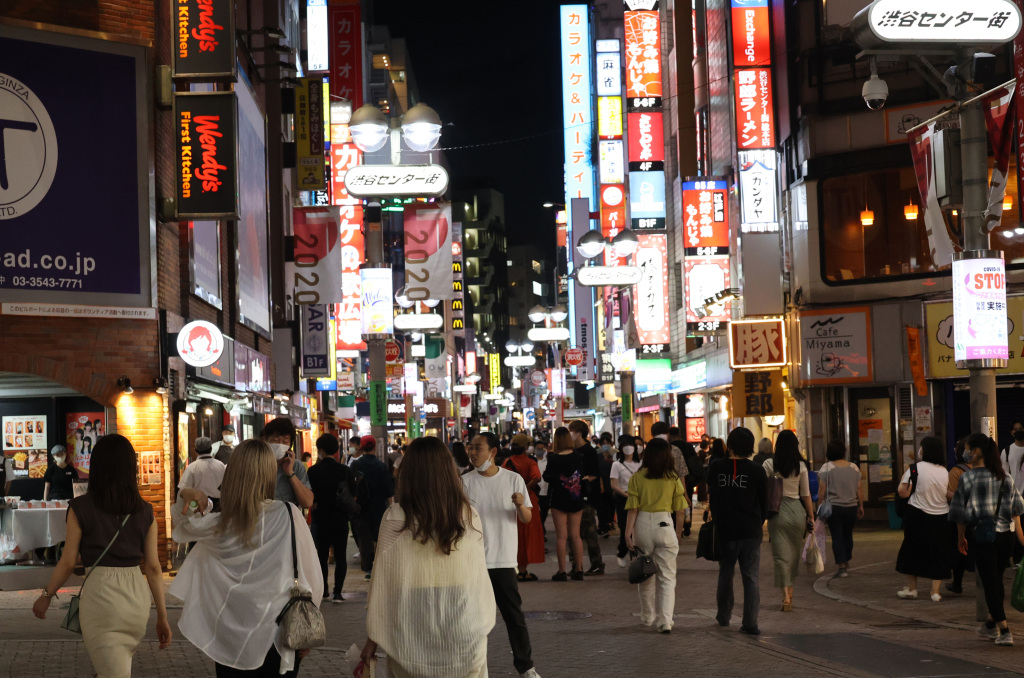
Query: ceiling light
{"points": [[910, 211], [867, 217], [1007, 203]]}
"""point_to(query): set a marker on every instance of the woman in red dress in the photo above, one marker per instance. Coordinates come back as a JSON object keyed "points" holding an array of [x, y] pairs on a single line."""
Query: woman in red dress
{"points": [[531, 535]]}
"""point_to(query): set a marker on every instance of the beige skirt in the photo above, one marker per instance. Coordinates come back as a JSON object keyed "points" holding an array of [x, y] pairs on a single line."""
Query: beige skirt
{"points": [[114, 611]]}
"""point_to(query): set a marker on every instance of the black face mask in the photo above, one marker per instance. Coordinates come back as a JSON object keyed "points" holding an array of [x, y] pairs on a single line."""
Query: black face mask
{"points": [[1018, 436]]}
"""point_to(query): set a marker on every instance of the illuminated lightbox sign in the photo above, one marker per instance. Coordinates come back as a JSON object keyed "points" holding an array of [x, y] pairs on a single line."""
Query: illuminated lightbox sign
{"points": [[705, 217], [611, 166], [577, 120], [200, 343], [979, 309], [705, 277], [609, 72], [396, 181], [612, 276], [647, 200], [758, 192], [609, 117], [204, 39], [756, 344], [755, 117], [751, 36], [318, 43], [651, 295], [644, 86], [646, 141], [613, 218], [377, 302], [206, 178], [940, 21]]}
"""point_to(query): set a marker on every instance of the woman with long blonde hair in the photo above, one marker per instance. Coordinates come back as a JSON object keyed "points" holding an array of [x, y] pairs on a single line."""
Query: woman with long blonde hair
{"points": [[430, 605], [239, 576], [564, 474]]}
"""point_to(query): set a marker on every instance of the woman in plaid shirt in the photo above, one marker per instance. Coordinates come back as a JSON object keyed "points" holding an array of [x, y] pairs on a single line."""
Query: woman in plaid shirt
{"points": [[986, 491]]}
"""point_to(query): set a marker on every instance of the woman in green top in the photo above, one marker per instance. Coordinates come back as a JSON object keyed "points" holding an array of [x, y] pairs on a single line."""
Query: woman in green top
{"points": [[655, 493]]}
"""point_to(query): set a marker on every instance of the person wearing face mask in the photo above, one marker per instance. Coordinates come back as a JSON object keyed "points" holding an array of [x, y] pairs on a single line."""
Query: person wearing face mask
{"points": [[961, 562], [222, 448], [502, 500], [592, 491], [606, 507], [292, 479], [627, 462], [205, 473], [59, 481], [531, 536], [353, 451], [375, 493]]}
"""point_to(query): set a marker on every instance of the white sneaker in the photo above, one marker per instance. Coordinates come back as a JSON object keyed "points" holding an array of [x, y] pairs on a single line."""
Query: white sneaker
{"points": [[355, 556], [936, 597], [907, 593], [988, 633], [1005, 638], [622, 562], [532, 673]]}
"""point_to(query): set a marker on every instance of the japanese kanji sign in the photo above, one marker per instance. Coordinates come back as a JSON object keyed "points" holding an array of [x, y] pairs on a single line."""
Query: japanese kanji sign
{"points": [[646, 140], [751, 37], [643, 60], [348, 314], [346, 35], [758, 192], [757, 344], [309, 135], [609, 117], [940, 21], [758, 394], [611, 167], [396, 181], [979, 305], [755, 117], [651, 295], [609, 73], [705, 217]]}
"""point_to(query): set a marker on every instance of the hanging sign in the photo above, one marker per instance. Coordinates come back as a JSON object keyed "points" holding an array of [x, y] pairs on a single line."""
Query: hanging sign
{"points": [[204, 39], [755, 110], [705, 217], [206, 176], [758, 394], [757, 344], [396, 181], [316, 266], [200, 343], [835, 346], [985, 22], [310, 169], [316, 344], [757, 192], [979, 306], [428, 251]]}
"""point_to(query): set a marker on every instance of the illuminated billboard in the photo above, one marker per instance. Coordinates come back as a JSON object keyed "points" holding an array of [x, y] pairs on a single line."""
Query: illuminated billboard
{"points": [[755, 116], [577, 120], [609, 117], [611, 166], [705, 277], [751, 36], [644, 86], [651, 296], [647, 200], [609, 72], [705, 217]]}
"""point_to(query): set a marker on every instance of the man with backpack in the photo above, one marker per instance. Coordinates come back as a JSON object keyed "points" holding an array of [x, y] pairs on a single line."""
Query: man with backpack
{"points": [[694, 472], [375, 490], [330, 518]]}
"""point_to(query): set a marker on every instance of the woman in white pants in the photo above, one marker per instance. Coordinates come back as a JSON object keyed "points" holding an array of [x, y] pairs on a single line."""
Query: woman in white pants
{"points": [[655, 493]]}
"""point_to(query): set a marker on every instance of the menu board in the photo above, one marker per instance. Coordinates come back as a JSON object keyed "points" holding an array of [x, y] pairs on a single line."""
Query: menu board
{"points": [[24, 441], [83, 430]]}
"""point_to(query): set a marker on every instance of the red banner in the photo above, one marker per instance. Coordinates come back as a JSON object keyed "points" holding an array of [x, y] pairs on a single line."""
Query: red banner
{"points": [[346, 37], [643, 57], [344, 156], [1018, 68], [1000, 108], [613, 218], [755, 116]]}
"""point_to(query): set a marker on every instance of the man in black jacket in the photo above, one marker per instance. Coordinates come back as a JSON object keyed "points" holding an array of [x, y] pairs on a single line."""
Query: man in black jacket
{"points": [[737, 491], [330, 521]]}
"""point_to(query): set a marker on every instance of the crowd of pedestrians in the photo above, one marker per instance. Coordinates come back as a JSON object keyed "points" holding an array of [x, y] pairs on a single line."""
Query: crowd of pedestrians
{"points": [[446, 535]]}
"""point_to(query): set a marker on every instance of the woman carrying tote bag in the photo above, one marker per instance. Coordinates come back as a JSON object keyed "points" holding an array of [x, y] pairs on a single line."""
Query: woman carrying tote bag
{"points": [[239, 576], [796, 514], [112, 520]]}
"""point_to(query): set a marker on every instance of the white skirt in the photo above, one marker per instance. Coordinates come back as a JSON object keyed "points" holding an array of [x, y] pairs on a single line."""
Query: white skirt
{"points": [[114, 611]]}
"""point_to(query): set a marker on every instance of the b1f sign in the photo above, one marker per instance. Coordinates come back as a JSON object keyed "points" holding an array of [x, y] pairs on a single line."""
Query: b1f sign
{"points": [[316, 343], [979, 308]]}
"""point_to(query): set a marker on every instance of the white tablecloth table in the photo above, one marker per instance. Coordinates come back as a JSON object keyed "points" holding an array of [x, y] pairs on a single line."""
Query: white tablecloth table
{"points": [[27, 529]]}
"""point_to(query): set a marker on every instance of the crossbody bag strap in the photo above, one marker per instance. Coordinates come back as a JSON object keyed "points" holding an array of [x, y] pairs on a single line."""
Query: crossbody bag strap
{"points": [[96, 564], [295, 558], [999, 502]]}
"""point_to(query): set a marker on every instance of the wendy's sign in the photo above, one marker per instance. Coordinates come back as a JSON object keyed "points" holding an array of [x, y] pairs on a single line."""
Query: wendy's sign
{"points": [[204, 39], [207, 169]]}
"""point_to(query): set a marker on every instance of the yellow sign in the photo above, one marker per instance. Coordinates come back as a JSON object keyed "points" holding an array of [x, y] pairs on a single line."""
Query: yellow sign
{"points": [[939, 324], [609, 117], [494, 366], [310, 170], [758, 394]]}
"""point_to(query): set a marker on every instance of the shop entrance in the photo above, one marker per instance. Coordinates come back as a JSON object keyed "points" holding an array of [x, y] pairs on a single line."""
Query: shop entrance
{"points": [[873, 444], [1009, 408]]}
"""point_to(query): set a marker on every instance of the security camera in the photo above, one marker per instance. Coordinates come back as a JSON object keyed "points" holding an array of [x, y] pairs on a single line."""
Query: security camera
{"points": [[875, 92]]}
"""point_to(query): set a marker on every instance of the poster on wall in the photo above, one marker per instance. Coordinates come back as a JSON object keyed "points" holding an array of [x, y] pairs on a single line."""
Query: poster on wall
{"points": [[48, 166], [82, 431], [939, 335], [25, 443], [252, 256]]}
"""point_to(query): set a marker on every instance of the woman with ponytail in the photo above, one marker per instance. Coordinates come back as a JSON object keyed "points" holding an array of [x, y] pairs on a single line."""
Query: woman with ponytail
{"points": [[987, 500]]}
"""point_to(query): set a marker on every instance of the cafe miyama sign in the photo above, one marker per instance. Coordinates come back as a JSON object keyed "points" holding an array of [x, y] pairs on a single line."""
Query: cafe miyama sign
{"points": [[948, 22]]}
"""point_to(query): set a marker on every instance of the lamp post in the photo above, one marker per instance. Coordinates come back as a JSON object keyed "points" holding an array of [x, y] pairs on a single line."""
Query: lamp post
{"points": [[551, 332], [371, 130]]}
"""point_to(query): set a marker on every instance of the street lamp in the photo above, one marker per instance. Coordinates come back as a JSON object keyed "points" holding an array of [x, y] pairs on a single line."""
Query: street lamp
{"points": [[421, 127], [369, 128]]}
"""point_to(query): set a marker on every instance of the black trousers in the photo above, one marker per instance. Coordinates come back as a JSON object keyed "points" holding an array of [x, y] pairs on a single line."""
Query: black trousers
{"points": [[991, 561], [366, 538], [605, 512], [270, 669], [328, 532], [620, 515], [510, 604]]}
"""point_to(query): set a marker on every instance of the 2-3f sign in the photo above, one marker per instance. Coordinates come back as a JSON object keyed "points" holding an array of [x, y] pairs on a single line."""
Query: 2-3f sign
{"points": [[28, 149]]}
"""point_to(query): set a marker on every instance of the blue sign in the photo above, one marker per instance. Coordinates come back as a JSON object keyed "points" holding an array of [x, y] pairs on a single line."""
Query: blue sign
{"points": [[577, 102], [74, 180]]}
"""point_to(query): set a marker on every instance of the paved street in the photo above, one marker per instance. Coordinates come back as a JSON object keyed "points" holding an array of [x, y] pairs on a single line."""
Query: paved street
{"points": [[839, 627]]}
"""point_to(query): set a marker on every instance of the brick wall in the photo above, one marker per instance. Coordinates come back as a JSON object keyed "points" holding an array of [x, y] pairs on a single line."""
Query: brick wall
{"points": [[128, 20]]}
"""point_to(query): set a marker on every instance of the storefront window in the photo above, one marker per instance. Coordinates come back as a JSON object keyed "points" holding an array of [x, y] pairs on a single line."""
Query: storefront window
{"points": [[872, 227]]}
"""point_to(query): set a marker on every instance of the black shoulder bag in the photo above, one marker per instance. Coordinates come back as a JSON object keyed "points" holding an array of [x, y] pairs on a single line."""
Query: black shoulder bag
{"points": [[902, 503]]}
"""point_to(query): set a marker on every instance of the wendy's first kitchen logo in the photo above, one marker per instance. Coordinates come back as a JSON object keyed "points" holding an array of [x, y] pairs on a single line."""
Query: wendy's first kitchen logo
{"points": [[204, 39], [206, 143]]}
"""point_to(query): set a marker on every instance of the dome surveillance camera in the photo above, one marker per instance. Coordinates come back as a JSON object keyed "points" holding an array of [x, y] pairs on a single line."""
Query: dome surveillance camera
{"points": [[875, 92]]}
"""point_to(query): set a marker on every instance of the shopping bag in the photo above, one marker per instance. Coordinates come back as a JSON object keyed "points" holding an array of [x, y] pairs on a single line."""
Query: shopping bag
{"points": [[819, 539], [812, 556], [1017, 597]]}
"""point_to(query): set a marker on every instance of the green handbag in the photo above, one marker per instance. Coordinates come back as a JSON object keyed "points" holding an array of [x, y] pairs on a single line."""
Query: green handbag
{"points": [[1017, 597], [71, 622]]}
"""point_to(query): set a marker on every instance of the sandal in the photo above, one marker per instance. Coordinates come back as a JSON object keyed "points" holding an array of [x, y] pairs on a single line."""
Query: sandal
{"points": [[787, 606], [526, 576]]}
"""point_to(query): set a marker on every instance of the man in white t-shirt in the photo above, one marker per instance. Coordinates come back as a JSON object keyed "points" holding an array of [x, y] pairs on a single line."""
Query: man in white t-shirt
{"points": [[1013, 456], [500, 497], [205, 473]]}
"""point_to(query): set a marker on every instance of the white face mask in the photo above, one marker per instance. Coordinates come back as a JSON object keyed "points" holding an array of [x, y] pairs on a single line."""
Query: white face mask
{"points": [[483, 468], [279, 450], [228, 438], [628, 450], [663, 436], [529, 450], [60, 459]]}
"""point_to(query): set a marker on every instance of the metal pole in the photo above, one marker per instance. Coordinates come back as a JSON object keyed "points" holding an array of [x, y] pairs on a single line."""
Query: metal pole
{"points": [[375, 345], [974, 158]]}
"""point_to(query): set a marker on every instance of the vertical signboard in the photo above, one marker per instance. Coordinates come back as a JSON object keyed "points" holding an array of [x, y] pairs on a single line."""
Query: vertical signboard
{"points": [[611, 169], [309, 135], [704, 277], [206, 177], [613, 218], [705, 217], [647, 200], [204, 250], [317, 355], [584, 329], [204, 39], [758, 211], [577, 108], [348, 314], [609, 71], [755, 109], [378, 301], [751, 37], [652, 295], [346, 57], [458, 300], [646, 140], [644, 82], [253, 254], [318, 40], [979, 307], [344, 156]]}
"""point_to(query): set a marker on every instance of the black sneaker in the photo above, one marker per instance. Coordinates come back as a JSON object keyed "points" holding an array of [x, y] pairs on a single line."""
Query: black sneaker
{"points": [[686, 529], [560, 576], [952, 588], [577, 575], [337, 598], [750, 630], [597, 569]]}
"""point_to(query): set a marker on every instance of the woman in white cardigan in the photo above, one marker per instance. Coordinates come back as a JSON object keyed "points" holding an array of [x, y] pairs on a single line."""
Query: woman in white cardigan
{"points": [[430, 605], [238, 577]]}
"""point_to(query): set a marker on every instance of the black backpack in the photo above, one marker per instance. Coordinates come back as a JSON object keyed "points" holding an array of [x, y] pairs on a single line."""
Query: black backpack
{"points": [[353, 493]]}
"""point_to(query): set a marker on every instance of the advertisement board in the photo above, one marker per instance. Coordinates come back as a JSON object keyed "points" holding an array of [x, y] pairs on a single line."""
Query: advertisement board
{"points": [[82, 430], [758, 394], [203, 46], [378, 315], [756, 344], [705, 217], [979, 305], [755, 109], [704, 277], [758, 189], [252, 255], [609, 117], [344, 156], [318, 39], [428, 251], [348, 314], [74, 205], [458, 299], [646, 140], [835, 346], [252, 370], [207, 172], [651, 297], [751, 33], [316, 355], [613, 219], [647, 201], [609, 73], [204, 253], [315, 272], [939, 333], [611, 165], [346, 57], [644, 82], [25, 441], [310, 167], [577, 120]]}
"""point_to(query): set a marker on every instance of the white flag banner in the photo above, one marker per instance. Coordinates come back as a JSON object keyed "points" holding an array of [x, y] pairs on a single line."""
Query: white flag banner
{"points": [[428, 251]]}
